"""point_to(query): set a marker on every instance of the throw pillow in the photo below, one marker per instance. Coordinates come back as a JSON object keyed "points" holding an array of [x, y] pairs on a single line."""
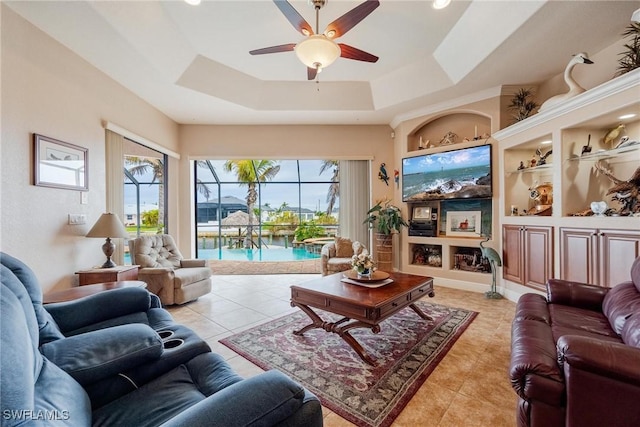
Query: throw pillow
{"points": [[619, 304], [344, 247]]}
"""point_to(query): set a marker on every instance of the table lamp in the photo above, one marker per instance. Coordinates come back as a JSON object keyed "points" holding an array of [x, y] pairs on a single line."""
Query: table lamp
{"points": [[109, 226]]}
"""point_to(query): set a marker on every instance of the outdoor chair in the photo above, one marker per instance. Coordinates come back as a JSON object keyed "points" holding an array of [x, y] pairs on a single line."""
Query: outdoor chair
{"points": [[174, 279]]}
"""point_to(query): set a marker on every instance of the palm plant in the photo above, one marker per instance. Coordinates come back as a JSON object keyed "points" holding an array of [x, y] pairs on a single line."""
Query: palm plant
{"points": [[631, 57], [250, 173], [385, 218], [143, 165], [522, 106], [334, 188]]}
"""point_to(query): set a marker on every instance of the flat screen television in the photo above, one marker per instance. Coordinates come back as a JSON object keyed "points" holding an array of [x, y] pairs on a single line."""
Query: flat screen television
{"points": [[457, 174]]}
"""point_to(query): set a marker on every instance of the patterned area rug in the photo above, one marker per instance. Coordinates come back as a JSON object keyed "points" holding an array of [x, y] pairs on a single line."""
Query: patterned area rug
{"points": [[407, 349]]}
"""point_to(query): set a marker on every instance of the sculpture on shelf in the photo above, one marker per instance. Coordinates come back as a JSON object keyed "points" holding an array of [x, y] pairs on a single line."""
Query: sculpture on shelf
{"points": [[574, 88], [586, 149], [626, 192], [449, 138], [494, 261], [613, 134], [542, 158]]}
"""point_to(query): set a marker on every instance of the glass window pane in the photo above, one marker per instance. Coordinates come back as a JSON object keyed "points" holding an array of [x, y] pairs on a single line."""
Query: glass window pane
{"points": [[310, 170]]}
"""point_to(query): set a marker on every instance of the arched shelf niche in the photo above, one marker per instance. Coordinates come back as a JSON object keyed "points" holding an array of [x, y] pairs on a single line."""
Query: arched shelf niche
{"points": [[464, 124]]}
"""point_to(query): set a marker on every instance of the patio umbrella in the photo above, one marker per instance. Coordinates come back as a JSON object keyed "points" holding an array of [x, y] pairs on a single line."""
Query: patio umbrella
{"points": [[239, 219]]}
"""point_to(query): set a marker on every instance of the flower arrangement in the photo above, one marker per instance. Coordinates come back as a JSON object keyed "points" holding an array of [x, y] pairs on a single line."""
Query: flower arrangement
{"points": [[362, 263]]}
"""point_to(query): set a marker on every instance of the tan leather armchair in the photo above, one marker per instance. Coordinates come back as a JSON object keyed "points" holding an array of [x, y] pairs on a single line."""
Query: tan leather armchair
{"points": [[336, 256], [174, 279]]}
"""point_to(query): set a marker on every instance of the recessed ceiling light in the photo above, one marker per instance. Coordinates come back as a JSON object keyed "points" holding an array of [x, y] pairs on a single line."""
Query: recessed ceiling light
{"points": [[441, 4], [627, 116], [192, 2]]}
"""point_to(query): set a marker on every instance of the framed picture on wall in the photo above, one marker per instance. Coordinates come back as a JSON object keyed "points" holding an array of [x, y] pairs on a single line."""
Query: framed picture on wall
{"points": [[464, 223], [59, 164]]}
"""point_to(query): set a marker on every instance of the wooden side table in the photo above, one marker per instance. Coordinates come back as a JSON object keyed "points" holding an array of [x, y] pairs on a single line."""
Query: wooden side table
{"points": [[83, 291], [115, 274]]}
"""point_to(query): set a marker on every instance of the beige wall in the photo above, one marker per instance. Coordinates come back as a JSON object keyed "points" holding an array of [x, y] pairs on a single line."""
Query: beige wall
{"points": [[49, 90], [282, 142]]}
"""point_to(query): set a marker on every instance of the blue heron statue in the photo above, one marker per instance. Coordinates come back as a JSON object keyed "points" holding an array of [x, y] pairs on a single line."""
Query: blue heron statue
{"points": [[494, 261]]}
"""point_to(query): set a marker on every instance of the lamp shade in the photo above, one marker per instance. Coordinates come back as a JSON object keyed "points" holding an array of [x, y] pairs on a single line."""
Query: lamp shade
{"points": [[108, 225], [317, 51]]}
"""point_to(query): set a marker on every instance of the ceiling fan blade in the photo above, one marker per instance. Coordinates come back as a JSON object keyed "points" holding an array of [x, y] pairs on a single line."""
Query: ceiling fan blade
{"points": [[292, 15], [274, 49], [350, 19], [351, 52], [311, 73]]}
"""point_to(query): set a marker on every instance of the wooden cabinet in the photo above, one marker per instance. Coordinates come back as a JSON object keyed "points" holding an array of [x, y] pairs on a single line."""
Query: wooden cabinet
{"points": [[527, 257], [115, 274], [599, 256]]}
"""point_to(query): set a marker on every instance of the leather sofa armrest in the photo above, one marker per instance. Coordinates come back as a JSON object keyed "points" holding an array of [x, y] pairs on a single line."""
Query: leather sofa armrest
{"points": [[191, 263], [603, 381], [96, 355], [270, 398], [602, 358], [534, 370], [575, 294], [77, 314]]}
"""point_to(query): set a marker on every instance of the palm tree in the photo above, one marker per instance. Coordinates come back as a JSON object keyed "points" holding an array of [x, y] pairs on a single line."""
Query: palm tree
{"points": [[141, 166], [334, 188], [250, 173]]}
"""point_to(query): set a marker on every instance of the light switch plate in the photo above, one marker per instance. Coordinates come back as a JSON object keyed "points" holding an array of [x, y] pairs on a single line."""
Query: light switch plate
{"points": [[84, 197], [77, 219]]}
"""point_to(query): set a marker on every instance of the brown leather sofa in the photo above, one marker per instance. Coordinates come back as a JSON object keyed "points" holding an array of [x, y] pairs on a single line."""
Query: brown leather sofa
{"points": [[575, 355]]}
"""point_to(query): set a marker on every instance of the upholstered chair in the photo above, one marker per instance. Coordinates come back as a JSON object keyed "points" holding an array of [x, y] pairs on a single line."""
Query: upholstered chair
{"points": [[174, 279], [336, 256]]}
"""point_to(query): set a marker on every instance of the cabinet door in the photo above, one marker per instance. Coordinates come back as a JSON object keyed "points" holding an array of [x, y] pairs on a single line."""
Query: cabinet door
{"points": [[512, 256], [579, 257], [618, 248], [538, 256]]}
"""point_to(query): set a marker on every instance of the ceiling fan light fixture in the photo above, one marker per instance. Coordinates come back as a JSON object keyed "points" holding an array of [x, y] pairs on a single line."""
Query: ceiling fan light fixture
{"points": [[317, 51]]}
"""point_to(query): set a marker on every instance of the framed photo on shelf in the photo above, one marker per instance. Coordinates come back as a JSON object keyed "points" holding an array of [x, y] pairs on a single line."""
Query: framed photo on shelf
{"points": [[59, 164], [463, 223]]}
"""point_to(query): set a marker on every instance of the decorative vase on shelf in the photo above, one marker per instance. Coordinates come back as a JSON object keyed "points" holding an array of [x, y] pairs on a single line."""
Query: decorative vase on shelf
{"points": [[599, 208]]}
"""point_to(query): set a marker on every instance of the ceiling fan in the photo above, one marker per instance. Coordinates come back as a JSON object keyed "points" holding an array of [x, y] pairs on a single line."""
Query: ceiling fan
{"points": [[318, 50]]}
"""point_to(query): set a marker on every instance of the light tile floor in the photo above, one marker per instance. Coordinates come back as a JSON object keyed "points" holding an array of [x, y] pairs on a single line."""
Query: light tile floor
{"points": [[470, 387]]}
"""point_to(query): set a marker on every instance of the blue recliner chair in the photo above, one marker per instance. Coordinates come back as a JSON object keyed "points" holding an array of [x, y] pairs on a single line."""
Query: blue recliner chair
{"points": [[47, 382]]}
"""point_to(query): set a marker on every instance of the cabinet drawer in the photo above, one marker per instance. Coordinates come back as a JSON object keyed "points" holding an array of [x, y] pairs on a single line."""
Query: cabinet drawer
{"points": [[420, 292]]}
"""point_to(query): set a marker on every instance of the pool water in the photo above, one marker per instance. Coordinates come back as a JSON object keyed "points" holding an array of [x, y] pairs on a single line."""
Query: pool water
{"points": [[289, 254]]}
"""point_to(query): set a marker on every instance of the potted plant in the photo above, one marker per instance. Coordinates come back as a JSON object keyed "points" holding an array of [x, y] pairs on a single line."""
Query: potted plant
{"points": [[386, 219]]}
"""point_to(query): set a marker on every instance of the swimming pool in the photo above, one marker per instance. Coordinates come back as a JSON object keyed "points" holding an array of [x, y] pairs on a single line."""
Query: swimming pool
{"points": [[284, 254]]}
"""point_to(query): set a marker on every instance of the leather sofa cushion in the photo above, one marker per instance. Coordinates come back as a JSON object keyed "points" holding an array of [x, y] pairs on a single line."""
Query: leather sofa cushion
{"points": [[620, 303], [580, 319], [344, 247]]}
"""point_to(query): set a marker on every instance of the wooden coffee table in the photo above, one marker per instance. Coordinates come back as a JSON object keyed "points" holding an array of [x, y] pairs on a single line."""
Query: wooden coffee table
{"points": [[362, 307], [83, 291]]}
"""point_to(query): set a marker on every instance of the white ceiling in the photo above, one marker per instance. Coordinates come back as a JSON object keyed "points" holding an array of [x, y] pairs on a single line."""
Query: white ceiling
{"points": [[192, 62]]}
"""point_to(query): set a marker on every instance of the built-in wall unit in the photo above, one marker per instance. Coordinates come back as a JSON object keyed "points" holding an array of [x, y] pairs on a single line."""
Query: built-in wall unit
{"points": [[448, 190], [560, 215]]}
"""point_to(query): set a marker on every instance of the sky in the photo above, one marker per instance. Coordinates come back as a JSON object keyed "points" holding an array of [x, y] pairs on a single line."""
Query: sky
{"points": [[313, 193]]}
